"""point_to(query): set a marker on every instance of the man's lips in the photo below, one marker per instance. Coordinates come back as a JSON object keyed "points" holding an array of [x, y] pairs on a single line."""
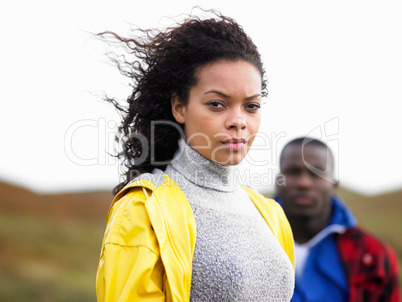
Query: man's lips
{"points": [[235, 144], [303, 200]]}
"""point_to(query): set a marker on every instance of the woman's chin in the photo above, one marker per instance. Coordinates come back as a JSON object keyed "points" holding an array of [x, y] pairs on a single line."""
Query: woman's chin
{"points": [[232, 160]]}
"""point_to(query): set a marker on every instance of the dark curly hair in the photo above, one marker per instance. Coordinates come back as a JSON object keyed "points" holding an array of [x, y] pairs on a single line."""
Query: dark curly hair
{"points": [[165, 64]]}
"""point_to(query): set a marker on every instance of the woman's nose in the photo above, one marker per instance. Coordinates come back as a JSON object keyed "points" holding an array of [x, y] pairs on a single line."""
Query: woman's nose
{"points": [[236, 121]]}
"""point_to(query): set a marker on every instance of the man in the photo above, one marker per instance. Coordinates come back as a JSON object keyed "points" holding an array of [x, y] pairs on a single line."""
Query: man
{"points": [[335, 259]]}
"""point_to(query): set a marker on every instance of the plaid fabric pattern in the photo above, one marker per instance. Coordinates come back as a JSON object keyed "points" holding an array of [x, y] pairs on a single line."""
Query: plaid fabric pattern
{"points": [[371, 267]]}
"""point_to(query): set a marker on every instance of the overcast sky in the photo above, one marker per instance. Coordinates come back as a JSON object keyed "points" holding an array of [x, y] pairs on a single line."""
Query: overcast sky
{"points": [[334, 70]]}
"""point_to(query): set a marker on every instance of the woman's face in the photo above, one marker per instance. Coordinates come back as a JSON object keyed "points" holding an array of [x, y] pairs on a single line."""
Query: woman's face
{"points": [[222, 115]]}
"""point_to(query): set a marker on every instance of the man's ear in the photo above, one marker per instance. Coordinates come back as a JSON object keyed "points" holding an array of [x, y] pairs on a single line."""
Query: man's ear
{"points": [[335, 185], [280, 182], [178, 109]]}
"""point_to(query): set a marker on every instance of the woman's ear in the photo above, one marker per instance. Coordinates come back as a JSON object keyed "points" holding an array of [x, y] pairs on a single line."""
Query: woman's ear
{"points": [[178, 109]]}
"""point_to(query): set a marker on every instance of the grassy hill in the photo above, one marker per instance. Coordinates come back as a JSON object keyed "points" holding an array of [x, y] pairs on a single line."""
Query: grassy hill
{"points": [[50, 244], [381, 215]]}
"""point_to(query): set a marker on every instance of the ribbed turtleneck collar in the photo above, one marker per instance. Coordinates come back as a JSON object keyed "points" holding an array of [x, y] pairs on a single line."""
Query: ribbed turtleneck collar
{"points": [[202, 171]]}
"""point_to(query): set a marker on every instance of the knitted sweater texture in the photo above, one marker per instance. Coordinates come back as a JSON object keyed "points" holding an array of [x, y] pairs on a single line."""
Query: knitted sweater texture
{"points": [[236, 257]]}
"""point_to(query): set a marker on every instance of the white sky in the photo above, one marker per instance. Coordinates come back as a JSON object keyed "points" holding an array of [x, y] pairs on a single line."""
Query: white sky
{"points": [[334, 66]]}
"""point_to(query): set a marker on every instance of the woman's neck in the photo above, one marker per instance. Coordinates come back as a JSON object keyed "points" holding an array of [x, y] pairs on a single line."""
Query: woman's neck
{"points": [[202, 171]]}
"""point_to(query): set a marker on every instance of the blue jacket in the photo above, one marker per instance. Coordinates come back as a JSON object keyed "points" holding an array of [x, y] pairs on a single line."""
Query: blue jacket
{"points": [[324, 279]]}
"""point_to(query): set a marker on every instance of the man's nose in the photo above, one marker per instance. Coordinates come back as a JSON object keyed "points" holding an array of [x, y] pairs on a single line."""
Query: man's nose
{"points": [[304, 180]]}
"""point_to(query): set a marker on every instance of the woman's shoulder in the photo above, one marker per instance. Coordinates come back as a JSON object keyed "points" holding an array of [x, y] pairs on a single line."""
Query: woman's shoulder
{"points": [[128, 214], [259, 198], [275, 217], [269, 208], [149, 202]]}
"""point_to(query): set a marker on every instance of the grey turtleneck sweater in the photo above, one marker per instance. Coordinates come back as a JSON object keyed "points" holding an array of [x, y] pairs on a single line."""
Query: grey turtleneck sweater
{"points": [[236, 257]]}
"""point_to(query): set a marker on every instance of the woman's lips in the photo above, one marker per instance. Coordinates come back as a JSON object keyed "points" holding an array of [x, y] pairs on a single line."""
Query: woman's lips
{"points": [[235, 144]]}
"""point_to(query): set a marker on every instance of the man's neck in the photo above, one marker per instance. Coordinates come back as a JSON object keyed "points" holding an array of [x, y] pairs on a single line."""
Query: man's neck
{"points": [[305, 228]]}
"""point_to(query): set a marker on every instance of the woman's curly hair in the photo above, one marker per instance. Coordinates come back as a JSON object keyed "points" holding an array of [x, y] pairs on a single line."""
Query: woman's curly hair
{"points": [[165, 64]]}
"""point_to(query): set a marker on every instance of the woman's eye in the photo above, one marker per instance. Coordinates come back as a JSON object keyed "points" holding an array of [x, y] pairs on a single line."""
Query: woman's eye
{"points": [[215, 104], [253, 106]]}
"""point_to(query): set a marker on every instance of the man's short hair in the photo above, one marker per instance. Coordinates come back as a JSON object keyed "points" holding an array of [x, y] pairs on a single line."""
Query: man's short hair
{"points": [[310, 141]]}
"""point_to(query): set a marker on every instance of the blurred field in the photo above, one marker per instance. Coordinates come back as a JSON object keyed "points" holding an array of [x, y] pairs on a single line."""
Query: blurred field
{"points": [[50, 244]]}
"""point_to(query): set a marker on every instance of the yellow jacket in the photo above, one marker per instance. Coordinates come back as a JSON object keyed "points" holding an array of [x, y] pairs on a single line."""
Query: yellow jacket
{"points": [[149, 242]]}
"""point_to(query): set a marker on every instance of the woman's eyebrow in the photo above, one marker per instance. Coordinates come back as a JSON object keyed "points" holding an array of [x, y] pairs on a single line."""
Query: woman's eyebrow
{"points": [[253, 96], [228, 97], [219, 93]]}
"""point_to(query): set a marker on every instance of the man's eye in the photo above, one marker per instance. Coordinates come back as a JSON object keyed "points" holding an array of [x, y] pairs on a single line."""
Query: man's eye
{"points": [[292, 172]]}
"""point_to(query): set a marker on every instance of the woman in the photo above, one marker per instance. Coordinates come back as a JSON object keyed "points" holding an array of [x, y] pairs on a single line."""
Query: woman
{"points": [[180, 227]]}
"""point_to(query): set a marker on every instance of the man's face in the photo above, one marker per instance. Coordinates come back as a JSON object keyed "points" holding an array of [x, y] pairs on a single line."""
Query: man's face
{"points": [[303, 192]]}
